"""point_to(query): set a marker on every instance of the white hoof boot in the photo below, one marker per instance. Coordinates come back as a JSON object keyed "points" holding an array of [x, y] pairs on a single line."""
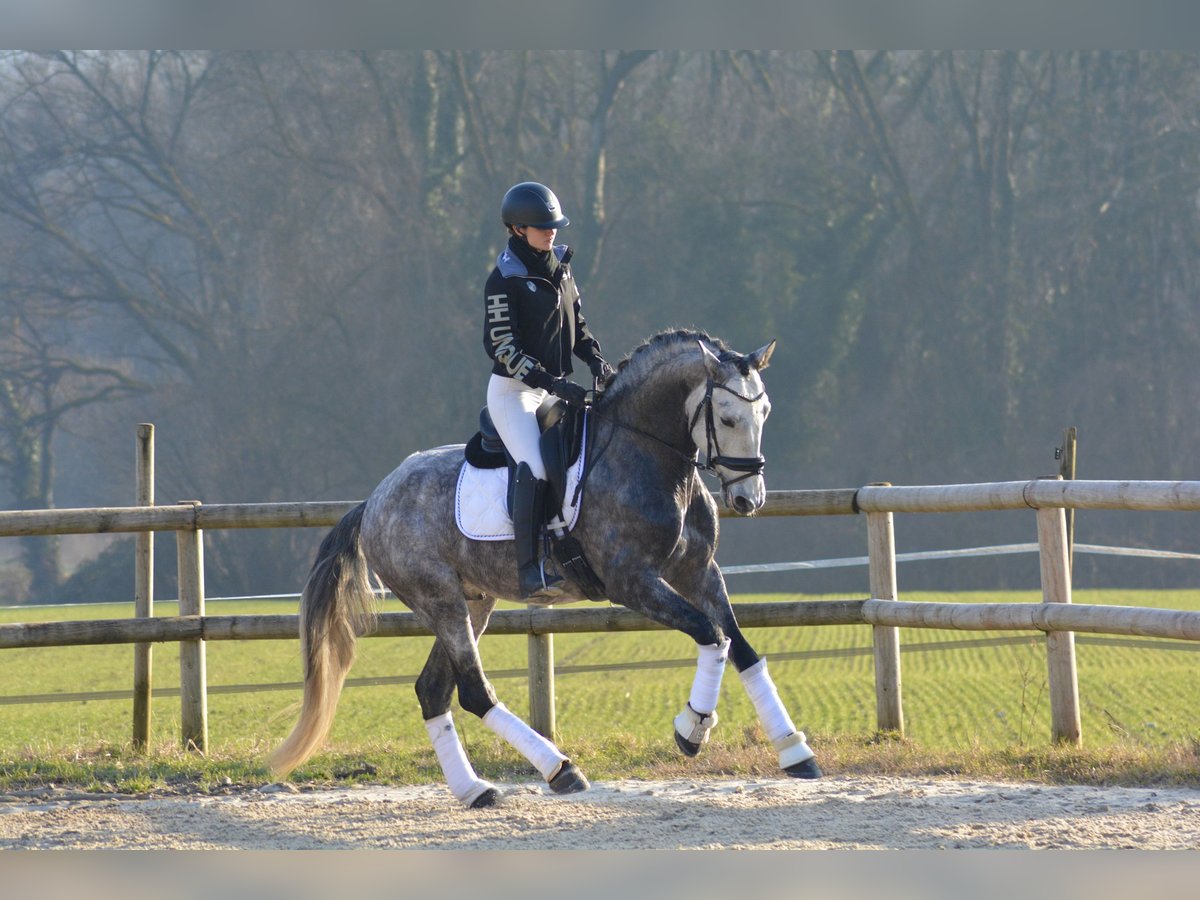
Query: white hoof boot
{"points": [[692, 729]]}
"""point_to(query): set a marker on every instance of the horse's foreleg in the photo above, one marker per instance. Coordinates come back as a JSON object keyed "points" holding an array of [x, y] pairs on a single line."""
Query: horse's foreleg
{"points": [[692, 726], [795, 756], [655, 598]]}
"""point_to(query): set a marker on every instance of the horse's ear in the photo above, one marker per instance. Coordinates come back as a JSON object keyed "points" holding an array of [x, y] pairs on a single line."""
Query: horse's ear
{"points": [[711, 361], [761, 357]]}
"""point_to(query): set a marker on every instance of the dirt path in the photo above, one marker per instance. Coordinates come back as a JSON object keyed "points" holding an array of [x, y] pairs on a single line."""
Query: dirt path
{"points": [[836, 812]]}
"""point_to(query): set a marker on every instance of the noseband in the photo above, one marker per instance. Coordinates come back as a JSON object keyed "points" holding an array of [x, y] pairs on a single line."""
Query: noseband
{"points": [[748, 465]]}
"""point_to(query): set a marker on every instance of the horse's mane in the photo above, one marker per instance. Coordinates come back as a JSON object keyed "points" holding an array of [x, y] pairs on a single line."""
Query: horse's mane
{"points": [[669, 342], [650, 353]]}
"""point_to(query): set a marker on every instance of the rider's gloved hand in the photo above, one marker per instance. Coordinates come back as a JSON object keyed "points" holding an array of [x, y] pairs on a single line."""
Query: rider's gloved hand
{"points": [[573, 393], [601, 371]]}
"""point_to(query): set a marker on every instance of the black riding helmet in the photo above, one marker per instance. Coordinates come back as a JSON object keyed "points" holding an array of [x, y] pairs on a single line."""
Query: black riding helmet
{"points": [[530, 203]]}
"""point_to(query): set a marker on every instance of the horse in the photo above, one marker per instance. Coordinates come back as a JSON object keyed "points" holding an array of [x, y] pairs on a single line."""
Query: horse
{"points": [[647, 525]]}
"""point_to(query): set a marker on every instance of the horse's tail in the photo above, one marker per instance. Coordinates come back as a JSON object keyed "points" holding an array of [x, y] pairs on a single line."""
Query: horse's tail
{"points": [[336, 607]]}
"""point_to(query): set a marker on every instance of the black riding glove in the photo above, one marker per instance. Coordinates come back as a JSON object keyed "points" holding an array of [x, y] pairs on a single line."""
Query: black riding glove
{"points": [[573, 393], [601, 370]]}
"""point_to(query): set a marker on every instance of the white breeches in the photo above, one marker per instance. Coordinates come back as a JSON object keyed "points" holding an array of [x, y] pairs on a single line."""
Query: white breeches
{"points": [[513, 407]]}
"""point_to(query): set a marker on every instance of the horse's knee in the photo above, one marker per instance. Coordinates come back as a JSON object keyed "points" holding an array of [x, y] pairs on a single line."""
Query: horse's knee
{"points": [[434, 688], [741, 654], [476, 697], [704, 631], [434, 699]]}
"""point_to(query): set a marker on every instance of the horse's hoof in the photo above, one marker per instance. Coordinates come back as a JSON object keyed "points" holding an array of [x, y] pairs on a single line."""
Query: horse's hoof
{"points": [[490, 797], [806, 769], [688, 748], [569, 780]]}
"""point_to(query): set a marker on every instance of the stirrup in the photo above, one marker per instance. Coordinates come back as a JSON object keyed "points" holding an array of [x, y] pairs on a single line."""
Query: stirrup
{"points": [[536, 584]]}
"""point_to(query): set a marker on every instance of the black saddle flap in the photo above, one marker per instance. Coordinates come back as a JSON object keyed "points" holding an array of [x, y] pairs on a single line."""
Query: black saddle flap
{"points": [[562, 438]]}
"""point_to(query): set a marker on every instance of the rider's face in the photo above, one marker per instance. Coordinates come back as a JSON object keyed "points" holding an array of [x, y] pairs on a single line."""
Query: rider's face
{"points": [[538, 238]]}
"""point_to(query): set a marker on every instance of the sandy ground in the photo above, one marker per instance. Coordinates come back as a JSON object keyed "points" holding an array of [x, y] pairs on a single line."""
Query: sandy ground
{"points": [[835, 812]]}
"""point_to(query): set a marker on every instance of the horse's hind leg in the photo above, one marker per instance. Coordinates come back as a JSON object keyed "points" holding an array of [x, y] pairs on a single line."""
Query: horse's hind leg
{"points": [[435, 687], [455, 662]]}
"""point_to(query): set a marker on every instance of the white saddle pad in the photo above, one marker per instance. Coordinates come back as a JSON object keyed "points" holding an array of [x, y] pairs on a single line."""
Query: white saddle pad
{"points": [[480, 500]]}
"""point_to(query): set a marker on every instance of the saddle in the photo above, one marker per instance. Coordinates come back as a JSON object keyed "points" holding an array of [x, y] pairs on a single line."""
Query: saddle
{"points": [[561, 442]]}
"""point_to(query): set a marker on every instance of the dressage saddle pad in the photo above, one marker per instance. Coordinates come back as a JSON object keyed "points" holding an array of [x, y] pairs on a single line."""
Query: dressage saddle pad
{"points": [[481, 501]]}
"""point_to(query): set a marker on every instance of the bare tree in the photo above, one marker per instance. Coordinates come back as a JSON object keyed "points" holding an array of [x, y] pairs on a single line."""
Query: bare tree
{"points": [[41, 387]]}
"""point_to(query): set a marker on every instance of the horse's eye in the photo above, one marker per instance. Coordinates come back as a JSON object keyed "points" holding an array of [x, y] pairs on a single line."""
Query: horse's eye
{"points": [[728, 422]]}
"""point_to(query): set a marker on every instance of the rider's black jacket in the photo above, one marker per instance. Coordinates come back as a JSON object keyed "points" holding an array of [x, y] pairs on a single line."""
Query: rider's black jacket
{"points": [[533, 323]]}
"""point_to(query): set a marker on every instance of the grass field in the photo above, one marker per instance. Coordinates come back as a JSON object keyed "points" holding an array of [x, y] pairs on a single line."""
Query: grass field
{"points": [[975, 703]]}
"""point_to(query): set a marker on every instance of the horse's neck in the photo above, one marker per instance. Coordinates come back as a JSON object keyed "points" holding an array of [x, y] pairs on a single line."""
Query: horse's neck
{"points": [[656, 406]]}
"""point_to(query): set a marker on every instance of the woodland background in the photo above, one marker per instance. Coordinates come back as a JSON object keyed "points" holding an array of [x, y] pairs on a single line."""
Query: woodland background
{"points": [[278, 258]]}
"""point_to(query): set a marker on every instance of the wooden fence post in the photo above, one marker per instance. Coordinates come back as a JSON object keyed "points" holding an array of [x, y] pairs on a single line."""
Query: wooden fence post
{"points": [[1060, 645], [1067, 471], [881, 556], [143, 591], [192, 676], [541, 685]]}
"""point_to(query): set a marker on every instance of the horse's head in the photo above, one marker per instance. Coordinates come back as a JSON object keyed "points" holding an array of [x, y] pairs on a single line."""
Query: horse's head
{"points": [[728, 414]]}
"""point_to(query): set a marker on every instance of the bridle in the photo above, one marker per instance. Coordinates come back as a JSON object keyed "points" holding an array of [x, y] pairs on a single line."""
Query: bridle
{"points": [[749, 466]]}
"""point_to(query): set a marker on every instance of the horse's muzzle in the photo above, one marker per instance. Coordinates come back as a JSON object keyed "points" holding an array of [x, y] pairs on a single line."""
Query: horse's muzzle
{"points": [[745, 498], [743, 506]]}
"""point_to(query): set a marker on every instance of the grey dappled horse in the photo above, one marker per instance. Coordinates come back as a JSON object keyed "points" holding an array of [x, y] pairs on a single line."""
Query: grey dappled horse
{"points": [[647, 525]]}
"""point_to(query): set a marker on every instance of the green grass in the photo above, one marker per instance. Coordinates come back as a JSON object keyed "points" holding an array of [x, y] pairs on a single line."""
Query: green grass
{"points": [[972, 709]]}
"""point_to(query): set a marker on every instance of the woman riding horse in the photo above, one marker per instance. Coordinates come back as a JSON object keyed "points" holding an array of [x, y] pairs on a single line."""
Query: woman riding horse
{"points": [[532, 325], [647, 525]]}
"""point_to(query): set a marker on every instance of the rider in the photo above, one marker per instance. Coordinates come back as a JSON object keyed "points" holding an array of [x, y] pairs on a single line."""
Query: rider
{"points": [[532, 325]]}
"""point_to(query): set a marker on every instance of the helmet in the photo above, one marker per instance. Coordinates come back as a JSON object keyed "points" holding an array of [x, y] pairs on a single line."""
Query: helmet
{"points": [[530, 203]]}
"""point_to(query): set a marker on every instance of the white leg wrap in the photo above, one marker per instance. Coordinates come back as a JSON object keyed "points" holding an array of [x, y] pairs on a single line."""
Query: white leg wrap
{"points": [[710, 669], [546, 758], [793, 749], [693, 726], [790, 743], [464, 783]]}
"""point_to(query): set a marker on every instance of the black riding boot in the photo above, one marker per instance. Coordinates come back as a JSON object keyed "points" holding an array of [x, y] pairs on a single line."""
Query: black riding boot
{"points": [[529, 498]]}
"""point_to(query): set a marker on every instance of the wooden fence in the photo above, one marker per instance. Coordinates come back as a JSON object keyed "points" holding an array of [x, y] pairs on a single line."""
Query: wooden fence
{"points": [[1047, 498]]}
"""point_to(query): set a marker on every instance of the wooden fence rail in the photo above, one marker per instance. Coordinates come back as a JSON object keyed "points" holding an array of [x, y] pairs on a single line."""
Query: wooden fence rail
{"points": [[504, 621], [1137, 621], [1040, 493], [1048, 498]]}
